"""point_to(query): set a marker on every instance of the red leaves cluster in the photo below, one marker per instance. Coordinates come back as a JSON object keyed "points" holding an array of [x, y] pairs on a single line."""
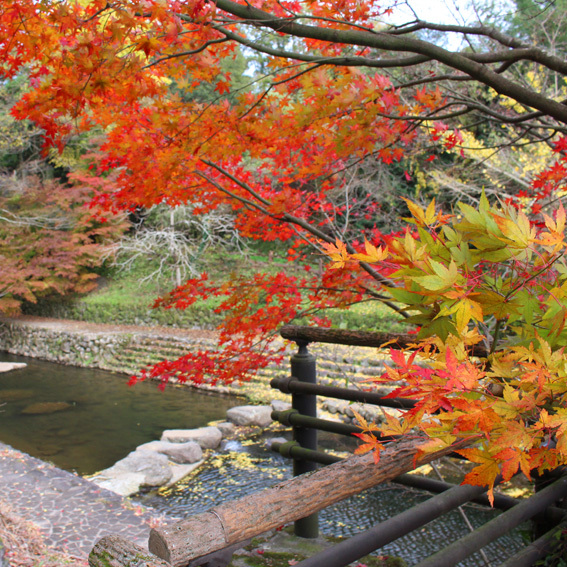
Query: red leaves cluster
{"points": [[49, 242]]}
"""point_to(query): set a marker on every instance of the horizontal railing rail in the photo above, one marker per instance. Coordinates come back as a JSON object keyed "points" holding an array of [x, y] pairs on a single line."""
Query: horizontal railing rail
{"points": [[298, 386], [306, 334], [283, 503], [293, 385], [416, 517]]}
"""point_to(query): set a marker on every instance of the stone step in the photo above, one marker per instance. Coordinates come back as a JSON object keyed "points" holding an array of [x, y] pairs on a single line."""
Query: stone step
{"points": [[169, 354], [173, 340]]}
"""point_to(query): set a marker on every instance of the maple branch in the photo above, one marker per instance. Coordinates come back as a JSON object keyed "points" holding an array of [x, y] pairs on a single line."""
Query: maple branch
{"points": [[99, 12], [247, 202], [290, 218], [240, 183], [186, 53], [464, 62], [434, 79], [496, 336], [274, 84], [481, 30], [524, 282], [344, 61]]}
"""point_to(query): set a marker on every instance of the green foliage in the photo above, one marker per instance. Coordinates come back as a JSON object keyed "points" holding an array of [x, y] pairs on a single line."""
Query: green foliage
{"points": [[557, 556], [126, 298], [370, 316], [227, 83], [542, 23]]}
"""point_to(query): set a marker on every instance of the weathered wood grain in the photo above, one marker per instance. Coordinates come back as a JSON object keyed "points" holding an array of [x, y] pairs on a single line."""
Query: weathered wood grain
{"points": [[286, 502]]}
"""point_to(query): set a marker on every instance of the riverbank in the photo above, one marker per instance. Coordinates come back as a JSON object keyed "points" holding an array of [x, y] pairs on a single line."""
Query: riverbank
{"points": [[125, 349]]}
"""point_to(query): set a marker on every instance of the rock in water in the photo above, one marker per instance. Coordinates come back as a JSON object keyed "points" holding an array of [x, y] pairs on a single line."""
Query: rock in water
{"points": [[206, 437], [7, 366], [40, 408], [250, 415], [182, 453]]}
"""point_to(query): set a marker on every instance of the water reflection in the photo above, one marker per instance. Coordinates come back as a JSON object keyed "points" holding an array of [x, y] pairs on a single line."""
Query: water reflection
{"points": [[85, 420]]}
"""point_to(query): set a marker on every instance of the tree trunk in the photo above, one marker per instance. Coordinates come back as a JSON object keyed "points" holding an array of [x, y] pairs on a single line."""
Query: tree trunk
{"points": [[286, 502]]}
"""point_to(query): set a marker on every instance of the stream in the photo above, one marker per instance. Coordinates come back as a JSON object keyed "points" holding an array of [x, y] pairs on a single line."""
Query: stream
{"points": [[84, 420]]}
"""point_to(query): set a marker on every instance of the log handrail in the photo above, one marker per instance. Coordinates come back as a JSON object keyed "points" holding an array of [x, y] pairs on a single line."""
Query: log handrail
{"points": [[357, 338], [247, 517]]}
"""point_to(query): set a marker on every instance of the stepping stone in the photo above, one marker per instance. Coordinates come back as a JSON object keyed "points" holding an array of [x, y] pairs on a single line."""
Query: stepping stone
{"points": [[207, 437], [250, 415], [181, 453]]}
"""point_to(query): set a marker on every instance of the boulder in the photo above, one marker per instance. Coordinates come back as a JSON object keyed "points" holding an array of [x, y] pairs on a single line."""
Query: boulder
{"points": [[153, 466], [250, 415], [226, 428], [331, 406], [7, 366], [280, 405], [181, 471], [123, 484], [207, 437], [182, 453]]}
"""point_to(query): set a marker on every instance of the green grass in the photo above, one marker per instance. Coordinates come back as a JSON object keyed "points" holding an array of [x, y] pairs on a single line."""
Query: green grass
{"points": [[369, 316], [122, 298]]}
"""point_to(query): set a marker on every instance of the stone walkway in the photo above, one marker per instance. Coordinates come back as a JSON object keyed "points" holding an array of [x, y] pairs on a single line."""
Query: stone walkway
{"points": [[72, 513]]}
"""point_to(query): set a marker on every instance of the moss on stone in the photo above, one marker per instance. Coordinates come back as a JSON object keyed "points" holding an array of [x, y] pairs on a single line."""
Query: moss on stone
{"points": [[282, 549]]}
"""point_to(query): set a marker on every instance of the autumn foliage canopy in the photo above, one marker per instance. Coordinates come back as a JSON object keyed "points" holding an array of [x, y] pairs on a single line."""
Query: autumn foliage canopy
{"points": [[484, 286]]}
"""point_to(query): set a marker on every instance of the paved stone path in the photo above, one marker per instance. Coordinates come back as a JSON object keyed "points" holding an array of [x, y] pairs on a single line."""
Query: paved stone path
{"points": [[72, 513]]}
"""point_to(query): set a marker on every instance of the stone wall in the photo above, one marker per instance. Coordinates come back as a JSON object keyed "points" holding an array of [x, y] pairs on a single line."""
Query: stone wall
{"points": [[63, 347], [116, 351]]}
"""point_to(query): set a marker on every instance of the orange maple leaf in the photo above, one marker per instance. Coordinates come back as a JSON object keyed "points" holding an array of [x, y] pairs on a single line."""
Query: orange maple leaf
{"points": [[337, 252], [485, 473]]}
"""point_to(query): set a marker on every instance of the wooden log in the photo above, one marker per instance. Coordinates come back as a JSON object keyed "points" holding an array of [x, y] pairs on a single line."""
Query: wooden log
{"points": [[115, 551], [356, 338], [283, 503]]}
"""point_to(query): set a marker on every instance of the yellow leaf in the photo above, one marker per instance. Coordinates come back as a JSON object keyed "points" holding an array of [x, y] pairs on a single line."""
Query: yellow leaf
{"points": [[337, 252], [430, 213], [416, 211], [364, 425], [373, 254]]}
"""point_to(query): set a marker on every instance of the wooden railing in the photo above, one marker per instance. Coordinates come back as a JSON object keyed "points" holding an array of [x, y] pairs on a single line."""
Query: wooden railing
{"points": [[239, 520], [191, 541]]}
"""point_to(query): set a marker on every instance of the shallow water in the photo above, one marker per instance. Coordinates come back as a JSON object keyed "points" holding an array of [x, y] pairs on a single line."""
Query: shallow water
{"points": [[100, 419]]}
